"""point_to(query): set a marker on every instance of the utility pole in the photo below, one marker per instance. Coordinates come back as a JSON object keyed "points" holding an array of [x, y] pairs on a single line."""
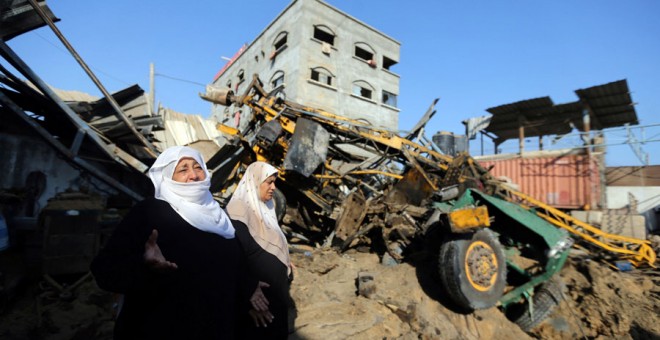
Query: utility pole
{"points": [[149, 148], [152, 88]]}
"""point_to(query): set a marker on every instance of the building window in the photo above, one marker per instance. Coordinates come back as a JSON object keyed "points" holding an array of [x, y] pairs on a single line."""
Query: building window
{"points": [[226, 116], [280, 41], [325, 34], [363, 54], [241, 75], [279, 44], [363, 89], [238, 86], [387, 63], [277, 79], [364, 51], [389, 98], [322, 75], [229, 84]]}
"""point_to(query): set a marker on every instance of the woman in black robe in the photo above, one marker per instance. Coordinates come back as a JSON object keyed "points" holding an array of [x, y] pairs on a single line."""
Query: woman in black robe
{"points": [[175, 259], [252, 210]]}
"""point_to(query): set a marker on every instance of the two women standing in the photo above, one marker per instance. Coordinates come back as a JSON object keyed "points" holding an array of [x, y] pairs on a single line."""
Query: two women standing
{"points": [[182, 272]]}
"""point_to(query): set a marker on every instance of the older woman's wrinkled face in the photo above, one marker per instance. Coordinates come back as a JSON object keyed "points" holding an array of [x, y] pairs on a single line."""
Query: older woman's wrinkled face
{"points": [[266, 189], [188, 170]]}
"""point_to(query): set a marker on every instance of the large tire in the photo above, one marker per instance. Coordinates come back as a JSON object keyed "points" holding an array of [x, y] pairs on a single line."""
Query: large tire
{"points": [[472, 270], [280, 204], [545, 300]]}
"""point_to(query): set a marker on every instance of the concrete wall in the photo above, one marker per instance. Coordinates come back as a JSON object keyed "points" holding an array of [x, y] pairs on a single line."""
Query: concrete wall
{"points": [[647, 197], [303, 53]]}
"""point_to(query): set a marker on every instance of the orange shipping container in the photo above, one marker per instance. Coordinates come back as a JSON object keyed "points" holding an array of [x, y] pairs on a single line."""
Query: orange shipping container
{"points": [[568, 181]]}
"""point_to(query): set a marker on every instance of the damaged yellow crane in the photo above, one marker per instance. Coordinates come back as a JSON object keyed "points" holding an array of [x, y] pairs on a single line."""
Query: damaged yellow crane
{"points": [[637, 251], [345, 183]]}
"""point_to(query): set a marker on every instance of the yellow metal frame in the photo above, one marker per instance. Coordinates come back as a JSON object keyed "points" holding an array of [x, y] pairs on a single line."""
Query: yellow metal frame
{"points": [[468, 218], [270, 107], [632, 249]]}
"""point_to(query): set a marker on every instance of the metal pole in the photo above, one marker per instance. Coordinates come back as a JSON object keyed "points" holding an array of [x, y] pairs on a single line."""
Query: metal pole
{"points": [[83, 128], [150, 147], [152, 88], [71, 156], [521, 136], [586, 121]]}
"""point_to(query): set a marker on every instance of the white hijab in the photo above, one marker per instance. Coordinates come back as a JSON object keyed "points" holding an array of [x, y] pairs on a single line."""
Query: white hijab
{"points": [[246, 206], [192, 201]]}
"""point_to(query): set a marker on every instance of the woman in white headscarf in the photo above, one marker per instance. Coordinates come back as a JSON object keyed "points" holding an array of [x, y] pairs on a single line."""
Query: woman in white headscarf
{"points": [[175, 258], [253, 214]]}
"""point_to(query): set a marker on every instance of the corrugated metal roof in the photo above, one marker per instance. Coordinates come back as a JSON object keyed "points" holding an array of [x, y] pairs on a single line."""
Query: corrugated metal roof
{"points": [[539, 116], [186, 129], [74, 96], [18, 17], [642, 176], [611, 106], [67, 95]]}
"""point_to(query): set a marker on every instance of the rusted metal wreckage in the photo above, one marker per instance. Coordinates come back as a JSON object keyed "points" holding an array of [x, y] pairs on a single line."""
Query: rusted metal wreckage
{"points": [[349, 172], [346, 184], [98, 138], [72, 162], [64, 160]]}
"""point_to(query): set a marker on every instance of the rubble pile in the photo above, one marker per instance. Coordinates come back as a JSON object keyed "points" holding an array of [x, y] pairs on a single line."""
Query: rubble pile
{"points": [[399, 302], [603, 303]]}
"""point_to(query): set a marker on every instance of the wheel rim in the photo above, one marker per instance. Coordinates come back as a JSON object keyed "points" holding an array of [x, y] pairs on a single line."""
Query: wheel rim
{"points": [[481, 265]]}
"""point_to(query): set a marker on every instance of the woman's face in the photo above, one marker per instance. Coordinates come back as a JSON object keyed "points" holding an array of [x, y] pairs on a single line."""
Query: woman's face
{"points": [[266, 189], [188, 170]]}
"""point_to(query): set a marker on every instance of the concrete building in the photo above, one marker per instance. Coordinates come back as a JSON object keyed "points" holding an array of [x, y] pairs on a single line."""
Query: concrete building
{"points": [[325, 58]]}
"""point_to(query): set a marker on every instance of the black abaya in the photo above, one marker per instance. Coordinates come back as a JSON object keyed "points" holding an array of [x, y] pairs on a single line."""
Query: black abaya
{"points": [[265, 267], [202, 299]]}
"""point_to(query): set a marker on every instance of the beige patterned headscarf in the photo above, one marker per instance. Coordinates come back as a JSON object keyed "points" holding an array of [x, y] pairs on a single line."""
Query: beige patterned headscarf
{"points": [[260, 218]]}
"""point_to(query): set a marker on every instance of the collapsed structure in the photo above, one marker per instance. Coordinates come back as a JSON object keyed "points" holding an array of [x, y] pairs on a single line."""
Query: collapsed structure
{"points": [[72, 162], [344, 184]]}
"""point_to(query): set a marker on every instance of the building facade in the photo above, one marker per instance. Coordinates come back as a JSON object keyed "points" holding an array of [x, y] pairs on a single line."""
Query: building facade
{"points": [[325, 59]]}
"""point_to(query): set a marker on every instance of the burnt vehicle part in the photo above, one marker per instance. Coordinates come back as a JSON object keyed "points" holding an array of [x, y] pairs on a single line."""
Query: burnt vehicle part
{"points": [[536, 309], [512, 253]]}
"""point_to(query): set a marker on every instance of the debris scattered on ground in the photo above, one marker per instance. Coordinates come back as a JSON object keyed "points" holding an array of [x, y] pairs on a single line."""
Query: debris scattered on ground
{"points": [[403, 302]]}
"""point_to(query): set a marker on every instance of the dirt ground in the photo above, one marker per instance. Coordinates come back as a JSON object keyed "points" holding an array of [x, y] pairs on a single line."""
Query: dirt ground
{"points": [[399, 302]]}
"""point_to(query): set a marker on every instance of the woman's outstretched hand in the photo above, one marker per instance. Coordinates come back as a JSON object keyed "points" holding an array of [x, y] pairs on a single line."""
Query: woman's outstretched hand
{"points": [[153, 257], [258, 300], [261, 319]]}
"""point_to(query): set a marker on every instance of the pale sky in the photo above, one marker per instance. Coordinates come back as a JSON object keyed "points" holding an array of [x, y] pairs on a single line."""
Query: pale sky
{"points": [[472, 54]]}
